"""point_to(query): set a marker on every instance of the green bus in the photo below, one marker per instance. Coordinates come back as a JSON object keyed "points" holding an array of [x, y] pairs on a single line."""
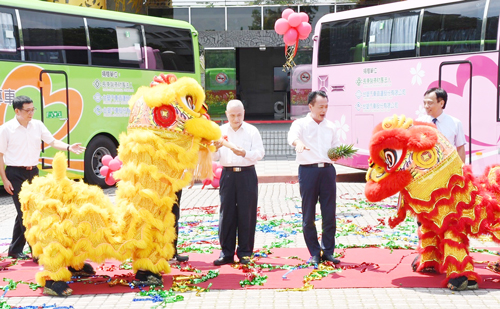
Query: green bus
{"points": [[81, 66]]}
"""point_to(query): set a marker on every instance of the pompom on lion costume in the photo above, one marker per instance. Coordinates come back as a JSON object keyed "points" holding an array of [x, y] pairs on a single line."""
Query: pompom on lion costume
{"points": [[450, 204], [169, 134]]}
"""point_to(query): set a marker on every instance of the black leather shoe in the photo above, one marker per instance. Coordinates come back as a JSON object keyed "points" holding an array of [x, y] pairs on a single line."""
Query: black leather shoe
{"points": [[315, 259], [330, 258], [181, 258], [223, 261], [245, 260], [20, 256]]}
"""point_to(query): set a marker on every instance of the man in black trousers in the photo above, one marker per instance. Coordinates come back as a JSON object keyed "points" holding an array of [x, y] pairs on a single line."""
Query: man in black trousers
{"points": [[312, 136], [177, 212], [238, 190], [20, 146]]}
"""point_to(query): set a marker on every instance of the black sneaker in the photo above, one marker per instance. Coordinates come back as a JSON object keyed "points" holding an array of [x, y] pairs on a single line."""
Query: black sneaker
{"points": [[330, 258], [147, 278], [223, 261], [315, 259], [245, 260], [20, 256], [181, 258]]}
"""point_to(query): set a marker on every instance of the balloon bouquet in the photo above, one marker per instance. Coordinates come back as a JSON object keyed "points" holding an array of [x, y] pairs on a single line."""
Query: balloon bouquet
{"points": [[294, 27], [215, 182], [109, 166]]}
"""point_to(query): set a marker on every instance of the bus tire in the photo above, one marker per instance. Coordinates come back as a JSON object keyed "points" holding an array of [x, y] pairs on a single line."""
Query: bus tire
{"points": [[98, 147]]}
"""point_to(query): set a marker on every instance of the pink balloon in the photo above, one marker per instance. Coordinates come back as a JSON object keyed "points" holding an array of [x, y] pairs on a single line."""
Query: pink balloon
{"points": [[218, 172], [214, 166], [215, 183], [281, 26], [206, 182], [110, 180], [114, 165], [304, 30], [304, 17], [116, 158], [291, 36], [104, 170], [294, 20], [105, 159], [287, 13]]}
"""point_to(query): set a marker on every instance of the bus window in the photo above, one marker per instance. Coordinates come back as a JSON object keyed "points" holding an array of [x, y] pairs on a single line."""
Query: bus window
{"points": [[341, 42], [453, 28], [172, 48], [115, 44], [492, 26], [53, 38], [392, 36], [9, 42]]}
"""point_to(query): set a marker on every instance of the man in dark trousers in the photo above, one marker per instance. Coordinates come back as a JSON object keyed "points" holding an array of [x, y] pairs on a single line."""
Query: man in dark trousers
{"points": [[312, 136], [238, 191], [20, 148], [177, 212]]}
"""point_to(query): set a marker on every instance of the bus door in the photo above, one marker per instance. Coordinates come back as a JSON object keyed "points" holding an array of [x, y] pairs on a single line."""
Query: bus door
{"points": [[55, 116], [463, 64]]}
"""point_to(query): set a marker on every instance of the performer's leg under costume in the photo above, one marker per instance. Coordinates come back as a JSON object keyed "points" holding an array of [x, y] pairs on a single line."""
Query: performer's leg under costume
{"points": [[429, 248]]}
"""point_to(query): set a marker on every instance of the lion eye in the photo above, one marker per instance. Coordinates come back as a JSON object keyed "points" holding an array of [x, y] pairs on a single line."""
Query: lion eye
{"points": [[391, 157], [189, 102]]}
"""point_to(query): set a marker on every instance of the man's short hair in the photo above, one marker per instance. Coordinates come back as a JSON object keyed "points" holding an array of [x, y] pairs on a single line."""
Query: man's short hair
{"points": [[19, 101], [440, 94], [311, 98], [234, 103]]}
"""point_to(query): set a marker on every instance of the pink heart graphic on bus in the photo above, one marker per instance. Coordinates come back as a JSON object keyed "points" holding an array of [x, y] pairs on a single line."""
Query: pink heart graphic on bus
{"points": [[481, 67], [27, 76]]}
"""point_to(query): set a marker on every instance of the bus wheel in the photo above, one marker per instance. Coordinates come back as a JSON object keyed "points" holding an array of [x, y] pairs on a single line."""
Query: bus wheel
{"points": [[98, 147]]}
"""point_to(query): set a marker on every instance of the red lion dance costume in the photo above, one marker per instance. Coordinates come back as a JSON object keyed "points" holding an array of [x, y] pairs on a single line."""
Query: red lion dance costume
{"points": [[416, 160]]}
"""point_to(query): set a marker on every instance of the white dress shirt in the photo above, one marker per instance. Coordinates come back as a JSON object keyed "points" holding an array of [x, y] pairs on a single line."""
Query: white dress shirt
{"points": [[449, 126], [318, 137], [21, 146], [246, 137]]}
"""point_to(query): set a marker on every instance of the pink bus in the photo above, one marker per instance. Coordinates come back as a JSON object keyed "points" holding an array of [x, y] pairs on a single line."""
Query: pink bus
{"points": [[378, 61]]}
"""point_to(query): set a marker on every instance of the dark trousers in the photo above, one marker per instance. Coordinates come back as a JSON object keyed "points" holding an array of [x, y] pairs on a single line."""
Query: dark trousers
{"points": [[16, 176], [238, 212], [318, 182], [177, 213]]}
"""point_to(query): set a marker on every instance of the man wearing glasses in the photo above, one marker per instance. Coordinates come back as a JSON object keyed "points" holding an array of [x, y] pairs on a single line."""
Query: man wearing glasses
{"points": [[20, 151]]}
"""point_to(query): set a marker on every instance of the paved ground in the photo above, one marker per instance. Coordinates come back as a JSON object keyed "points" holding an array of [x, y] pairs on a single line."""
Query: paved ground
{"points": [[277, 199]]}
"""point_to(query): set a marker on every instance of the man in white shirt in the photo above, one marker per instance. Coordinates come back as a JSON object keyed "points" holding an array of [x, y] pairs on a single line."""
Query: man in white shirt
{"points": [[238, 190], [434, 103], [20, 151], [312, 136]]}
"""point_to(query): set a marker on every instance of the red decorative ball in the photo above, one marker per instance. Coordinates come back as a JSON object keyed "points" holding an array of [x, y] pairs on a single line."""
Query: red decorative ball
{"points": [[164, 115]]}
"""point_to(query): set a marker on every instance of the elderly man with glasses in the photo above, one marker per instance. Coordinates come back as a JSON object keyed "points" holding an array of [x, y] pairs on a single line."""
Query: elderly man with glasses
{"points": [[20, 151]]}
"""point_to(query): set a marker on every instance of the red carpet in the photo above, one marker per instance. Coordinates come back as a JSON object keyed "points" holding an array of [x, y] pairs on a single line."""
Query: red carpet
{"points": [[361, 268]]}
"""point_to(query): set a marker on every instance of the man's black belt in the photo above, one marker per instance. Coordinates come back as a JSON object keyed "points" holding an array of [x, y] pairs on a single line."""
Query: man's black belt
{"points": [[239, 168], [316, 165], [28, 168]]}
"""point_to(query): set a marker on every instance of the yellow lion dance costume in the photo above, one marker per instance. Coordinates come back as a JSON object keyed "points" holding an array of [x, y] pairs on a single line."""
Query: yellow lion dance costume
{"points": [[416, 160], [169, 134]]}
